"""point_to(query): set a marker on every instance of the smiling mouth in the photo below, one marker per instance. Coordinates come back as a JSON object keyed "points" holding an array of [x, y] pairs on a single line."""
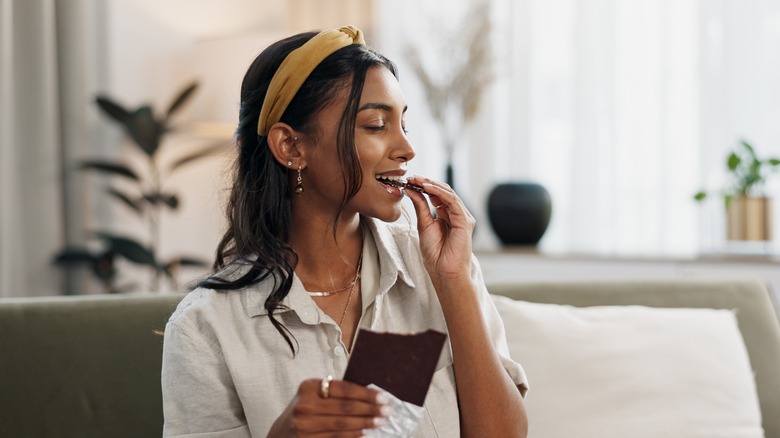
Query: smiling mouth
{"points": [[399, 183]]}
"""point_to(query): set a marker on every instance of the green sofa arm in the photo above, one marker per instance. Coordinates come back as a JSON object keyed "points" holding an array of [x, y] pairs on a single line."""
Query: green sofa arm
{"points": [[84, 366]]}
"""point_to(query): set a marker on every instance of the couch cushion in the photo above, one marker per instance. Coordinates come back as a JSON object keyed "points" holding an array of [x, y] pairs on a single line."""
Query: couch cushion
{"points": [[86, 366], [617, 371]]}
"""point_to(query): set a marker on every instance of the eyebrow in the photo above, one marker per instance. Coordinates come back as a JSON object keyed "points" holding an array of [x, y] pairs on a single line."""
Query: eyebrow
{"points": [[380, 106]]}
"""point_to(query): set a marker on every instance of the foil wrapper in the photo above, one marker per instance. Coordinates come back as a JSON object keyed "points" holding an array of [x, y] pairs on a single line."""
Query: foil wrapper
{"points": [[402, 423]]}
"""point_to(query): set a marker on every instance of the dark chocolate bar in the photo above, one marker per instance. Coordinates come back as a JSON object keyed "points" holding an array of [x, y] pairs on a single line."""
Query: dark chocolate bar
{"points": [[403, 365], [404, 185]]}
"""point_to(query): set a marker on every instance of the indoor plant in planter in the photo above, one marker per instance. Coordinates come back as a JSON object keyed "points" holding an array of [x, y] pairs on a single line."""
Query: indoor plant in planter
{"points": [[143, 194], [749, 210]]}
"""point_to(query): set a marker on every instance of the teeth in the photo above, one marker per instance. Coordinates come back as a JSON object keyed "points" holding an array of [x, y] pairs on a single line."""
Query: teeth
{"points": [[400, 182], [391, 178]]}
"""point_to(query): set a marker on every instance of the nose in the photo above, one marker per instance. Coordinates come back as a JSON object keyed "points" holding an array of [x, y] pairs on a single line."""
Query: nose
{"points": [[404, 151]]}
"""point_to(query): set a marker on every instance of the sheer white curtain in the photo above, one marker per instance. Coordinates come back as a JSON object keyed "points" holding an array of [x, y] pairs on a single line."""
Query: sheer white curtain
{"points": [[30, 225], [621, 108], [44, 100]]}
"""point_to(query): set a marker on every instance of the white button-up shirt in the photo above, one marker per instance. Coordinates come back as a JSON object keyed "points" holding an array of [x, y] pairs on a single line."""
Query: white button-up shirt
{"points": [[227, 372]]}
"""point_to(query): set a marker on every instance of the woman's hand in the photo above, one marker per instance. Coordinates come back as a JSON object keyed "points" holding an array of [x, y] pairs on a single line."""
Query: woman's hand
{"points": [[445, 238], [349, 410]]}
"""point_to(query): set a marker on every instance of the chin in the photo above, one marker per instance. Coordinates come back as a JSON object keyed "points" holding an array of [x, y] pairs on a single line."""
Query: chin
{"points": [[387, 216]]}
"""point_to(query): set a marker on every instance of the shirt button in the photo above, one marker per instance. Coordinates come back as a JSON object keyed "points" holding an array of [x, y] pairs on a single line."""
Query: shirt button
{"points": [[338, 351]]}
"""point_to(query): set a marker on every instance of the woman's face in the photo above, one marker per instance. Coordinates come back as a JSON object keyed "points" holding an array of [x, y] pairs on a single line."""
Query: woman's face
{"points": [[382, 146]]}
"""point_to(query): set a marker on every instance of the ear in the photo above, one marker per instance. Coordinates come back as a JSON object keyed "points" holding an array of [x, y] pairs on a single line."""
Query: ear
{"points": [[284, 141]]}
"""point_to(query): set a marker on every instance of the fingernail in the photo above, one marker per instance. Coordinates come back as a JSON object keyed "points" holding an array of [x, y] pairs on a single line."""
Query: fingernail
{"points": [[386, 411], [382, 398], [425, 184], [378, 421]]}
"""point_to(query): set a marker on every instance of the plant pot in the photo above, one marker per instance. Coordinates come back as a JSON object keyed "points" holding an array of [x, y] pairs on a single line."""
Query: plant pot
{"points": [[750, 218], [519, 212]]}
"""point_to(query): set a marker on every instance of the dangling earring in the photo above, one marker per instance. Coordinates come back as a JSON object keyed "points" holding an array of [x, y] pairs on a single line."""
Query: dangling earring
{"points": [[299, 185]]}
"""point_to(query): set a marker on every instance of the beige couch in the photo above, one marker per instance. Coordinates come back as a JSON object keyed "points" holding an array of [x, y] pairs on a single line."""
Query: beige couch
{"points": [[90, 366], [756, 321]]}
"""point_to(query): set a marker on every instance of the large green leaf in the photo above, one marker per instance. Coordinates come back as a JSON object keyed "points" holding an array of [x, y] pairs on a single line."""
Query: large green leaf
{"points": [[134, 205], [145, 130], [749, 148], [112, 168], [129, 249], [181, 99], [113, 109], [205, 152], [171, 200], [74, 255], [733, 161]]}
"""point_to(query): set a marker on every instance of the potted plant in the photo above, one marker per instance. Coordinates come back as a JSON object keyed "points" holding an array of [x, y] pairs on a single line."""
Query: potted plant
{"points": [[144, 196], [749, 210], [455, 87]]}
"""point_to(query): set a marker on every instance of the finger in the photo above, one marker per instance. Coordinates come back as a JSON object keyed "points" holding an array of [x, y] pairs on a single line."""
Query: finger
{"points": [[422, 210], [341, 406], [422, 180], [442, 212], [343, 434], [348, 434], [336, 423], [453, 205], [340, 389]]}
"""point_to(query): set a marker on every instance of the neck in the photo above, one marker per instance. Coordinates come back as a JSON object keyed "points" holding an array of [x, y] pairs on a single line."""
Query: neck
{"points": [[325, 261]]}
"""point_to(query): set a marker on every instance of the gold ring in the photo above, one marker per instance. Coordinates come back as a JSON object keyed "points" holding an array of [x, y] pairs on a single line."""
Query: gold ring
{"points": [[325, 387]]}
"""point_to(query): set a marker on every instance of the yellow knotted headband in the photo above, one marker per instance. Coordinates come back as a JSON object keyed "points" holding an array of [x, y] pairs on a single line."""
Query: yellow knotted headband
{"points": [[297, 66]]}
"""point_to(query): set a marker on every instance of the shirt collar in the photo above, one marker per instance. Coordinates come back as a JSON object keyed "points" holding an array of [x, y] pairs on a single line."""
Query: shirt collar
{"points": [[391, 268], [391, 262], [297, 300]]}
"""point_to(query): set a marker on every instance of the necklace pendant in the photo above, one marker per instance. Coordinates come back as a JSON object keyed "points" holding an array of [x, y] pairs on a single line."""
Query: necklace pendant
{"points": [[319, 294]]}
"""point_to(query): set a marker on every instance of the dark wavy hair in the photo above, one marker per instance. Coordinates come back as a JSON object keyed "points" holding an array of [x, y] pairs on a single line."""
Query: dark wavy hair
{"points": [[258, 211]]}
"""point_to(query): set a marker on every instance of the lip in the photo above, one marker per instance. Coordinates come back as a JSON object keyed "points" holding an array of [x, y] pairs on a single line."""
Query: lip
{"points": [[391, 189], [399, 172]]}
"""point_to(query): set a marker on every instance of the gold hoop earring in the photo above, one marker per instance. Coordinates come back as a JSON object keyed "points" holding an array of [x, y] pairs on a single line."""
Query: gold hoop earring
{"points": [[299, 184]]}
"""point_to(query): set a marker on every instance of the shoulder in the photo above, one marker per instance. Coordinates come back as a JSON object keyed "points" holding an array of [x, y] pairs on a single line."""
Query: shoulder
{"points": [[193, 304], [203, 308]]}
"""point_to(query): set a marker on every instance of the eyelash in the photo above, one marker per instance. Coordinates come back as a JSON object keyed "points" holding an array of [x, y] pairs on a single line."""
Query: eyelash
{"points": [[380, 128]]}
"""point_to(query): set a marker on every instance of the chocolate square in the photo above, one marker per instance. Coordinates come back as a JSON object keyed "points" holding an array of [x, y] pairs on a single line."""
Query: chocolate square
{"points": [[403, 365]]}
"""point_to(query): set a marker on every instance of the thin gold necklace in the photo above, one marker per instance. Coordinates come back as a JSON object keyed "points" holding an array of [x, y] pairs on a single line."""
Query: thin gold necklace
{"points": [[335, 291], [352, 289]]}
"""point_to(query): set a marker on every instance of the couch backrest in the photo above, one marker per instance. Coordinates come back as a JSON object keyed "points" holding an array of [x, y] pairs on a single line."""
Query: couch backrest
{"points": [[82, 366], [90, 366], [752, 301]]}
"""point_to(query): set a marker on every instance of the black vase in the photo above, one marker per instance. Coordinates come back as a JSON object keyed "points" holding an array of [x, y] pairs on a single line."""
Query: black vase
{"points": [[519, 212]]}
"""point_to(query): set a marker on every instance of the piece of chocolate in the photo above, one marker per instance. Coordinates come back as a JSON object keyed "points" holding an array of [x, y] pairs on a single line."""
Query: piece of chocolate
{"points": [[403, 365], [404, 185]]}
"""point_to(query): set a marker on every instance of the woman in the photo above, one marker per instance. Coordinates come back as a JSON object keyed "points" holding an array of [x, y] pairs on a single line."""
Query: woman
{"points": [[309, 257]]}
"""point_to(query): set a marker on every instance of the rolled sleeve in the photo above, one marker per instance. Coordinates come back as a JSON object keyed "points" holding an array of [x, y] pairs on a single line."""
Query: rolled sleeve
{"points": [[496, 330]]}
